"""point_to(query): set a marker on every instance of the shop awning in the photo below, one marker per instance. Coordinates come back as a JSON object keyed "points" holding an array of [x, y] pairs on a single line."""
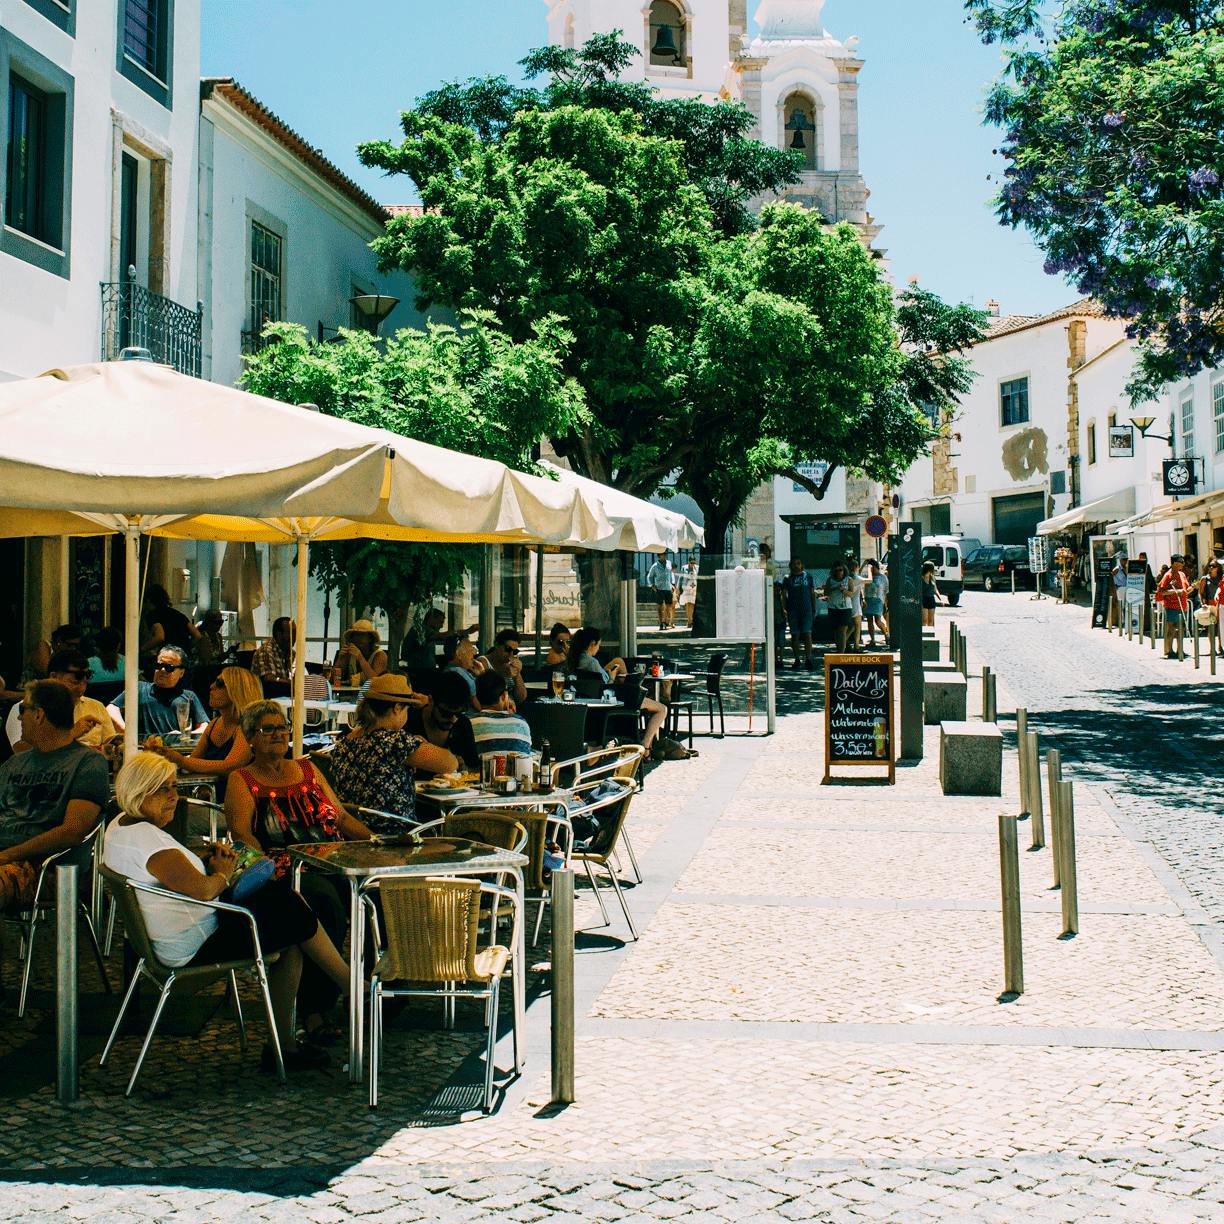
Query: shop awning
{"points": [[1103, 510], [1176, 509]]}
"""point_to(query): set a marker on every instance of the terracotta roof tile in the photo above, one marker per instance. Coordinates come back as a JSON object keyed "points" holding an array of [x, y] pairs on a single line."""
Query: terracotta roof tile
{"points": [[241, 99], [405, 210], [1009, 324]]}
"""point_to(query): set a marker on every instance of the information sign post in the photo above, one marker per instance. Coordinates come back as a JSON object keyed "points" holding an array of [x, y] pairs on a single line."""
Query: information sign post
{"points": [[1039, 560], [743, 612], [905, 619]]}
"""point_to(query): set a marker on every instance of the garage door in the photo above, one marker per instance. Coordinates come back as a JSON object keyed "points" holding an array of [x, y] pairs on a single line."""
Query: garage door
{"points": [[1016, 518]]}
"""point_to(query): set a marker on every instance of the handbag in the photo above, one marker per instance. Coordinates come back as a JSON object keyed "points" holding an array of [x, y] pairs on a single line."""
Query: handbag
{"points": [[253, 871], [1205, 617]]}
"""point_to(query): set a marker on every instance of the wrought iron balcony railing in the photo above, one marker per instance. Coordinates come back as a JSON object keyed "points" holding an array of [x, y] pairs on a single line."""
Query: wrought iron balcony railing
{"points": [[135, 316]]}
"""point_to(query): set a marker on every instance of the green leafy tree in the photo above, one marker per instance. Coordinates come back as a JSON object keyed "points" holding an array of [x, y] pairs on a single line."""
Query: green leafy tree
{"points": [[1113, 112], [713, 351], [469, 388]]}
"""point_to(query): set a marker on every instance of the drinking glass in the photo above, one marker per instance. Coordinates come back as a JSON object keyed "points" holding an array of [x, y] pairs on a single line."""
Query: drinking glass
{"points": [[182, 713], [558, 683]]}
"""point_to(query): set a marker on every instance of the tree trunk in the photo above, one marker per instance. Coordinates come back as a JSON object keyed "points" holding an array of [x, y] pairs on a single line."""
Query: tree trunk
{"points": [[717, 523], [599, 575], [398, 620]]}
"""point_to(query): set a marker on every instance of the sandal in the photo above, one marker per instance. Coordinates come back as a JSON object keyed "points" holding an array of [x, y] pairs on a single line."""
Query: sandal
{"points": [[304, 1058], [326, 1034]]}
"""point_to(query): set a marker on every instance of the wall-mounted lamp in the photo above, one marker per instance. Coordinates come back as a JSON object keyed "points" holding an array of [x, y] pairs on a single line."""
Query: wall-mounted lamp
{"points": [[374, 308], [1143, 424]]}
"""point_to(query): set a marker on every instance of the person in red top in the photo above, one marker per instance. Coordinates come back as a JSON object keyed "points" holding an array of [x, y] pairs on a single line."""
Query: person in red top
{"points": [[1173, 592]]}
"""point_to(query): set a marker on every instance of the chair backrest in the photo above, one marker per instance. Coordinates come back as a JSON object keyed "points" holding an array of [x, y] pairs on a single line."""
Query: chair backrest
{"points": [[714, 670], [588, 684], [128, 904], [196, 818], [629, 691], [493, 828], [322, 762], [430, 929], [611, 821], [562, 724]]}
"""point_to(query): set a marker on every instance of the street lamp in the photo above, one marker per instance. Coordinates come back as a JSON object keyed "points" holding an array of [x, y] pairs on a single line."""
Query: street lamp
{"points": [[374, 308], [1143, 424]]}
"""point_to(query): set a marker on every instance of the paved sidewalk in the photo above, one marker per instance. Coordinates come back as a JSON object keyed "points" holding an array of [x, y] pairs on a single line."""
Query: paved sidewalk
{"points": [[808, 1029]]}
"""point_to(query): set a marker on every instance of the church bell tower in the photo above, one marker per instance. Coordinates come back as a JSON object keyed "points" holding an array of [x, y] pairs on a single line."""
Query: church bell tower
{"points": [[797, 79]]}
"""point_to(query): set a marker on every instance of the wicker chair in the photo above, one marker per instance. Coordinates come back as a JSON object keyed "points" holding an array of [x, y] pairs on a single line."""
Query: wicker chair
{"points": [[29, 918], [432, 931], [165, 977]]}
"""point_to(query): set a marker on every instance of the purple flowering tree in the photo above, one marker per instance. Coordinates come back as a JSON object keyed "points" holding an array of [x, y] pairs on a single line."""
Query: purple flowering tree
{"points": [[1113, 113]]}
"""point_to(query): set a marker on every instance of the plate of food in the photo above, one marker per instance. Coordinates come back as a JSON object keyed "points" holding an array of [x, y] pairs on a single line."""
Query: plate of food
{"points": [[449, 786]]}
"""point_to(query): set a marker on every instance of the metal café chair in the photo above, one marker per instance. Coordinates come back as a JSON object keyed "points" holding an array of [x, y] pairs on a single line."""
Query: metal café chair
{"points": [[620, 761], [432, 931], [28, 918], [165, 977], [600, 850]]}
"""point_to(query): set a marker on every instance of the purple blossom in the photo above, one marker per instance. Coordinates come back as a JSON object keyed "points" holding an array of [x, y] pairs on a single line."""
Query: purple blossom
{"points": [[1113, 120], [1203, 178]]}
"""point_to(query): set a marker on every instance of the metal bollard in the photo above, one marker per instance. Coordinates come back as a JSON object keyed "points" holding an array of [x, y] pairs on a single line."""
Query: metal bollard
{"points": [[1014, 582], [985, 691], [1211, 643], [1009, 876], [1036, 807], [992, 699], [1195, 630], [1152, 627], [562, 894], [1054, 775], [1022, 760], [67, 1052], [1066, 838], [963, 643], [1130, 625]]}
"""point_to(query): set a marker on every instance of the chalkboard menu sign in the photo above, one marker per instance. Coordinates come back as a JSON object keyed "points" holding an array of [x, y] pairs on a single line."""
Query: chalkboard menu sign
{"points": [[1103, 591], [859, 711]]}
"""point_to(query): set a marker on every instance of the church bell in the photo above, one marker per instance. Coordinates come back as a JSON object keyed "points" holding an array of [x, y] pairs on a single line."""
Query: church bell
{"points": [[665, 44]]}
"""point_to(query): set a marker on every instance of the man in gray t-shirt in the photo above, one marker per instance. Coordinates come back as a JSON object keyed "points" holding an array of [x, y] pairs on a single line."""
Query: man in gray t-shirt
{"points": [[50, 797]]}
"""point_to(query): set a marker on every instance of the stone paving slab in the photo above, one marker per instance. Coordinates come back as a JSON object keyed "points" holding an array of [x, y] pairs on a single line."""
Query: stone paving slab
{"points": [[783, 963], [892, 863]]}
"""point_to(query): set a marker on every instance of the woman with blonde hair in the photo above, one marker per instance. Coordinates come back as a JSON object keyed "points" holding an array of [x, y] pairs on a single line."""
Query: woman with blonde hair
{"points": [[222, 748], [137, 846]]}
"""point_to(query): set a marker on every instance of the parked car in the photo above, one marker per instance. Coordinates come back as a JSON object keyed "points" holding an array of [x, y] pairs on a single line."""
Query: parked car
{"points": [[948, 554], [991, 567]]}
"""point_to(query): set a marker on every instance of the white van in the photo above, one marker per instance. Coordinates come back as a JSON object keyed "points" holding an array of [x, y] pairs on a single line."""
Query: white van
{"points": [[948, 553]]}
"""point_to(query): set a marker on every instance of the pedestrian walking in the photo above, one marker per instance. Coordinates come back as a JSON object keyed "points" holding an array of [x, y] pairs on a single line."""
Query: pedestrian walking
{"points": [[688, 591], [661, 579], [875, 596], [856, 581], [1173, 592], [837, 596], [799, 606], [1209, 583], [930, 594], [1119, 591]]}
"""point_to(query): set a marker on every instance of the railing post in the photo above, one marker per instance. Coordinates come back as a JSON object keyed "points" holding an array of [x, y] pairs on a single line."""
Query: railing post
{"points": [[1036, 808], [1009, 877], [1066, 837], [1054, 774], [562, 894], [67, 1053]]}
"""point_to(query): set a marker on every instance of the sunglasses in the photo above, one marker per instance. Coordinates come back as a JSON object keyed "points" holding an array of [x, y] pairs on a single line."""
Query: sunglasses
{"points": [[168, 667], [75, 674], [274, 729], [511, 649], [218, 683], [443, 712]]}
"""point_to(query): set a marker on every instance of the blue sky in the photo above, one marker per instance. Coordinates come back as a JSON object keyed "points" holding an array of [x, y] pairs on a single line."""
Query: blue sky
{"points": [[340, 73]]}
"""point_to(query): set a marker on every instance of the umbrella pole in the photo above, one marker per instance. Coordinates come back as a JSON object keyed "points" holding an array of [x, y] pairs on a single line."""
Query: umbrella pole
{"points": [[299, 650], [539, 603], [131, 639]]}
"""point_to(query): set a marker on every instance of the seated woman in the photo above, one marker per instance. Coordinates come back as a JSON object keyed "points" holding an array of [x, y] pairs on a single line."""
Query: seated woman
{"points": [[137, 846], [276, 802], [361, 656], [558, 645], [584, 646], [375, 765], [222, 748]]}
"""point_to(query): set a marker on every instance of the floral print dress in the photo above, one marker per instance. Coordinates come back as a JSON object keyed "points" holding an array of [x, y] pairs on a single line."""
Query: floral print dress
{"points": [[372, 771]]}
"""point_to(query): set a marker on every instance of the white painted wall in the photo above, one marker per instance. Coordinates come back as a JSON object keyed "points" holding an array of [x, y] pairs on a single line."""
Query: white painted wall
{"points": [[245, 174], [1040, 352], [46, 320]]}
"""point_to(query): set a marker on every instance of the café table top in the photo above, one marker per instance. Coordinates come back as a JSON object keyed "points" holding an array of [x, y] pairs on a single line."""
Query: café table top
{"points": [[407, 857], [596, 702]]}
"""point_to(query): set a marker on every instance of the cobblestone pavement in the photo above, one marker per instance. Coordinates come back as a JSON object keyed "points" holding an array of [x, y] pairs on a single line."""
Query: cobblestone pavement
{"points": [[809, 1027], [1148, 729]]}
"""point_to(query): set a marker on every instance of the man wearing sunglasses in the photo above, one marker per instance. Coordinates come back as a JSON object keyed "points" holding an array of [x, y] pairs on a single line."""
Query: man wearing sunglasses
{"points": [[165, 706], [443, 720], [92, 725], [503, 658]]}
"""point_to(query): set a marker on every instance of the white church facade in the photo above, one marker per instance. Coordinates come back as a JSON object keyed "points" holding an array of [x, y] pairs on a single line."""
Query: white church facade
{"points": [[801, 84]]}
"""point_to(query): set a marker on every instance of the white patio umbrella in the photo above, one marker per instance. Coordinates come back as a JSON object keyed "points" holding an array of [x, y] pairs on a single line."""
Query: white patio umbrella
{"points": [[639, 525], [137, 448]]}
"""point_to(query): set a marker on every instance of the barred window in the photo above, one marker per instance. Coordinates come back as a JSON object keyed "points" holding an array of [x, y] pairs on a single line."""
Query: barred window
{"points": [[1217, 407], [1014, 401], [265, 276]]}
